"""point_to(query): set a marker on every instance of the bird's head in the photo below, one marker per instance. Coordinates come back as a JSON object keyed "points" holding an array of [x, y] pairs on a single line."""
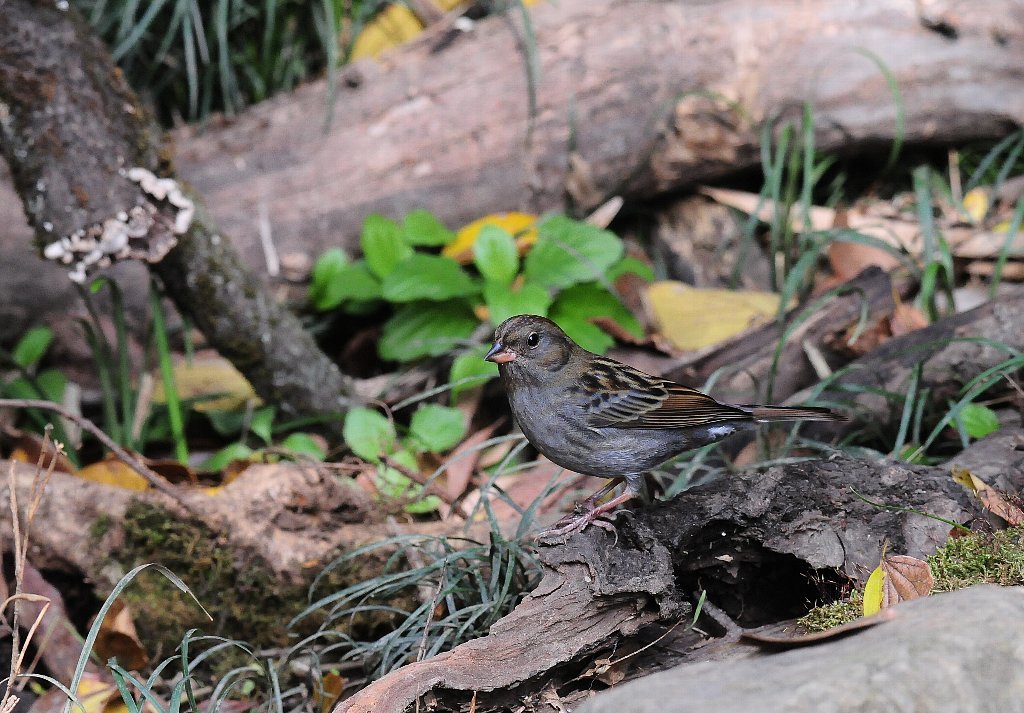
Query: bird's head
{"points": [[530, 344]]}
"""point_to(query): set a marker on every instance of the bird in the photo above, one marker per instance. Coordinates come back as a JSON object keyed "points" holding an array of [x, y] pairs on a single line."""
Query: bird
{"points": [[597, 416]]}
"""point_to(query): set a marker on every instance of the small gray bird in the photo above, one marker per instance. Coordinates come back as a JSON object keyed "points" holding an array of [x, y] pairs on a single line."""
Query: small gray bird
{"points": [[600, 417]]}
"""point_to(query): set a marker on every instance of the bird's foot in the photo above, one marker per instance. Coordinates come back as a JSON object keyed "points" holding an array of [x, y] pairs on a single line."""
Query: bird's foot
{"points": [[587, 513]]}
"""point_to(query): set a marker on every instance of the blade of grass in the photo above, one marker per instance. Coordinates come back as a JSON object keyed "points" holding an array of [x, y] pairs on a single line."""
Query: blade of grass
{"points": [[173, 403]]}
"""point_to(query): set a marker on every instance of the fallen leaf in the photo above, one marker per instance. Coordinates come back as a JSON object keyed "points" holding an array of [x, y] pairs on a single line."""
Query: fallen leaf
{"points": [[463, 460], [849, 259], [905, 319], [111, 471], [873, 591], [976, 204], [117, 638], [991, 499], [208, 375], [522, 226], [691, 318], [392, 26], [905, 578], [776, 636], [28, 447], [332, 685]]}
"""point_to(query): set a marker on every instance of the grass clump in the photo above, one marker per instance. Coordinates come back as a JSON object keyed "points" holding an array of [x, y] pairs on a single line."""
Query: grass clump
{"points": [[978, 558]]}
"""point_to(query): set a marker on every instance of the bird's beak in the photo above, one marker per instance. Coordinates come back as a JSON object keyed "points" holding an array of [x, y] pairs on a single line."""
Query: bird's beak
{"points": [[500, 354]]}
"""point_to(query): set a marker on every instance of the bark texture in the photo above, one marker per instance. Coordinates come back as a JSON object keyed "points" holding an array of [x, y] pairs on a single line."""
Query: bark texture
{"points": [[757, 543], [636, 98], [80, 148]]}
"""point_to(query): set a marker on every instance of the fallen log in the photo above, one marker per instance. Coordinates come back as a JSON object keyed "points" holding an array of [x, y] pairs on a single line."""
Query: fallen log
{"points": [[753, 367], [637, 99], [738, 538], [940, 359]]}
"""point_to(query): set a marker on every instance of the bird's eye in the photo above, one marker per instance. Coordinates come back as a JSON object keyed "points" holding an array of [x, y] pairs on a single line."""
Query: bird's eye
{"points": [[533, 340]]}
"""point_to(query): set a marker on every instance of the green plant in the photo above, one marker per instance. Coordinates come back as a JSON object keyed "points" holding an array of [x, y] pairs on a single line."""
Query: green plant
{"points": [[195, 58], [374, 438], [435, 301], [33, 382]]}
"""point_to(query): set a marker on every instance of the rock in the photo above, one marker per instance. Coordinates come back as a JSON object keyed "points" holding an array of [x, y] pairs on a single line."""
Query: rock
{"points": [[962, 651]]}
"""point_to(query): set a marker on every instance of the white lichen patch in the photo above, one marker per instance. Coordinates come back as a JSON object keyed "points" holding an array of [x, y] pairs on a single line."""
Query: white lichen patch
{"points": [[142, 233]]}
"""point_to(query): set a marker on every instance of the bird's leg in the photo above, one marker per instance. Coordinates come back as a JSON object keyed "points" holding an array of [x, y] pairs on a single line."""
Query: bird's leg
{"points": [[590, 511]]}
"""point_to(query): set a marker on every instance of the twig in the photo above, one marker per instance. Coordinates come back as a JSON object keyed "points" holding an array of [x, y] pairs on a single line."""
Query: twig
{"points": [[124, 456]]}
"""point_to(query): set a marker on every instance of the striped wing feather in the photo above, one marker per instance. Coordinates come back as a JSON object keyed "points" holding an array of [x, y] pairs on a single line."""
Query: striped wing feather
{"points": [[628, 398]]}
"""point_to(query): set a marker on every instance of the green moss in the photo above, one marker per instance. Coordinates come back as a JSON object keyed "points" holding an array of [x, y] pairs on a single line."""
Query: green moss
{"points": [[247, 601], [100, 527], [828, 616], [993, 558], [996, 558]]}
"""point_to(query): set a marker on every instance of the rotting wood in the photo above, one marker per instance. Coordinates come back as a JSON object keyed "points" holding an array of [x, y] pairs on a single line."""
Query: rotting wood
{"points": [[778, 531]]}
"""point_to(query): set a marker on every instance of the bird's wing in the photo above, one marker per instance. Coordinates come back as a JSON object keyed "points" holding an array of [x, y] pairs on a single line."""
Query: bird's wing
{"points": [[625, 397]]}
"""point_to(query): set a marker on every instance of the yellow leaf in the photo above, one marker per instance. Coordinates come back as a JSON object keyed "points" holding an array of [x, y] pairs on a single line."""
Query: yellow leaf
{"points": [[211, 375], [873, 592], [522, 226], [976, 204], [111, 471], [693, 318], [391, 27]]}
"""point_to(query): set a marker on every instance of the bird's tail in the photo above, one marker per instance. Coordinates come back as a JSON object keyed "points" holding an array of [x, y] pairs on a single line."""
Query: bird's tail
{"points": [[765, 414]]}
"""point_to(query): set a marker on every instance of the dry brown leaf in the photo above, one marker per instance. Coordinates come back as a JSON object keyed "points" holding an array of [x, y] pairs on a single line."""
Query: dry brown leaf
{"points": [[28, 447], [118, 638], [784, 636], [849, 259], [905, 578], [331, 687], [462, 462], [991, 499], [904, 235], [905, 319]]}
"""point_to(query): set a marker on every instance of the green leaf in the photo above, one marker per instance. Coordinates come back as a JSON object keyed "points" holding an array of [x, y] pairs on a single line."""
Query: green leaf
{"points": [[630, 265], [262, 423], [422, 228], [427, 277], [424, 329], [32, 346], [52, 383], [305, 444], [568, 252], [495, 255], [369, 434], [979, 421], [226, 423], [437, 428], [472, 368], [587, 335], [223, 458], [392, 483], [355, 285], [584, 302], [503, 302], [326, 272], [383, 245]]}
